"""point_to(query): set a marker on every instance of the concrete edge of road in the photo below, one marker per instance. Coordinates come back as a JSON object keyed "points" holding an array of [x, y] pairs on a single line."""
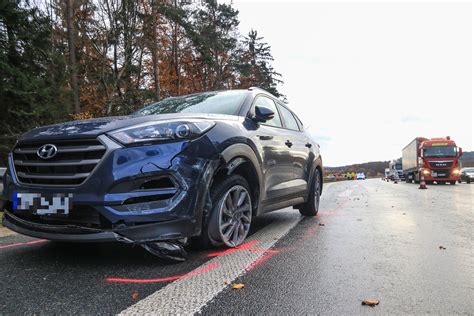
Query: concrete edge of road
{"points": [[189, 294]]}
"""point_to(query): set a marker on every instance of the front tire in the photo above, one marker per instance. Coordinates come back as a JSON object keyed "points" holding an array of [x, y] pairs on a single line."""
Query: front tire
{"points": [[311, 206], [231, 215]]}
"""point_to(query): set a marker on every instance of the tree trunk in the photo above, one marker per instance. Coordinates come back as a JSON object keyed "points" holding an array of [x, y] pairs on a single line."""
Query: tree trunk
{"points": [[72, 56], [154, 50], [175, 55]]}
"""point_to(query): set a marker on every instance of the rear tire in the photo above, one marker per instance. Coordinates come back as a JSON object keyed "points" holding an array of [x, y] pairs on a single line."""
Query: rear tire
{"points": [[311, 206], [228, 224]]}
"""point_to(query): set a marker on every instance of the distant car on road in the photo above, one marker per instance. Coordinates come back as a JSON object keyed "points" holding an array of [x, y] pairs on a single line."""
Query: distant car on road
{"points": [[467, 175], [360, 176]]}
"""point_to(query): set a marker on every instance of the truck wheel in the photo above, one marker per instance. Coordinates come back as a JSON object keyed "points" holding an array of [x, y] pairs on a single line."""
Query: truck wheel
{"points": [[441, 182], [311, 206], [453, 182], [231, 215], [468, 181]]}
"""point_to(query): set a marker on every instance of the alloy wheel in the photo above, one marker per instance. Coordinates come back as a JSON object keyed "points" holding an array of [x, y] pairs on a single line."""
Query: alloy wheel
{"points": [[235, 215]]}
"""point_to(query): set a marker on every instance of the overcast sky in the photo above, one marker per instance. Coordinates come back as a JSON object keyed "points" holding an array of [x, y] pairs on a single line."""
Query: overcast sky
{"points": [[367, 78]]}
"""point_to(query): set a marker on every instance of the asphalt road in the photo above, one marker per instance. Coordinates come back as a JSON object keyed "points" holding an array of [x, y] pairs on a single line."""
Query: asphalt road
{"points": [[371, 239]]}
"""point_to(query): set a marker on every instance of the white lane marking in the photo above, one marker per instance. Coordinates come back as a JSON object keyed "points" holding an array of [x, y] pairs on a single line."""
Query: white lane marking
{"points": [[346, 193], [189, 295]]}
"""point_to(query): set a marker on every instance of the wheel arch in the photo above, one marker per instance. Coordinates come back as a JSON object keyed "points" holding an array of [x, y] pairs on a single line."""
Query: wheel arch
{"points": [[317, 167], [241, 159]]}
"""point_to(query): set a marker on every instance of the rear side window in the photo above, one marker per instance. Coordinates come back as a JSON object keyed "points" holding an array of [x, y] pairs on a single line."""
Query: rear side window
{"points": [[298, 121], [268, 103], [289, 119]]}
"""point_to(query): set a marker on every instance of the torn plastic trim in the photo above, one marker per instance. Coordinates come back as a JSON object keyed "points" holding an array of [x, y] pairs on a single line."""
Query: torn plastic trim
{"points": [[170, 250]]}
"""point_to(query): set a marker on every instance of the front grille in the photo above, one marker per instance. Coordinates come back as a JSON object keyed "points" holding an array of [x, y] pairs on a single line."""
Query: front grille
{"points": [[444, 173], [74, 161], [440, 164]]}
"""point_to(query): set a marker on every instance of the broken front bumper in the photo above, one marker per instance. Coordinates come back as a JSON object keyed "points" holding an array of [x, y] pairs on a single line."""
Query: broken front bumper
{"points": [[168, 230], [137, 194]]}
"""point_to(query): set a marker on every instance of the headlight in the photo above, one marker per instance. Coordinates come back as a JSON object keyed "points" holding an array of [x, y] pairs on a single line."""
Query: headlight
{"points": [[162, 131], [426, 172], [456, 171]]}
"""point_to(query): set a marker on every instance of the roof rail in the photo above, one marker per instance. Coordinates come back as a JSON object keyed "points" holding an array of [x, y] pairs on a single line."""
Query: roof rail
{"points": [[258, 88]]}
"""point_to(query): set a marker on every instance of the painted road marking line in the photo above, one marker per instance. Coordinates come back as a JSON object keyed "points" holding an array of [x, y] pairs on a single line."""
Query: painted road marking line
{"points": [[189, 295], [4, 232], [346, 193]]}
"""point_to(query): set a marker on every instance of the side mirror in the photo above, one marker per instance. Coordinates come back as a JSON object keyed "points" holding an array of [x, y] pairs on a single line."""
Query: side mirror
{"points": [[460, 152], [263, 114]]}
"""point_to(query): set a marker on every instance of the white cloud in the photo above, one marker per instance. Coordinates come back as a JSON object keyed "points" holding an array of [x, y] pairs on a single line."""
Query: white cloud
{"points": [[369, 77]]}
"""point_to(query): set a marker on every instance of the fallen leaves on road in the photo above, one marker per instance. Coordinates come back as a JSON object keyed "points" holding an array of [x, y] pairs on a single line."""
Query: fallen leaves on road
{"points": [[238, 286], [370, 302], [134, 296], [442, 248]]}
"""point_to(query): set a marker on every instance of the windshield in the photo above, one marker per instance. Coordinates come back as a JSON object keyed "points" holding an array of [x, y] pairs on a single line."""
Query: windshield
{"points": [[225, 102], [440, 151], [469, 170], [398, 166]]}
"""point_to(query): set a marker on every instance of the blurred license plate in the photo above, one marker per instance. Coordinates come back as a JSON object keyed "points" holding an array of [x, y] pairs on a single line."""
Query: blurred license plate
{"points": [[43, 204]]}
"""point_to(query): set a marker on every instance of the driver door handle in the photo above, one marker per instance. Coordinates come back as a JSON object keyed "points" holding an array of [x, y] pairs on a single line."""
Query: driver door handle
{"points": [[265, 137]]}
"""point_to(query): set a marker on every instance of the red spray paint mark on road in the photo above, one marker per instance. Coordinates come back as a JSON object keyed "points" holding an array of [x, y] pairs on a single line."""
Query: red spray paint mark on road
{"points": [[23, 244], [267, 253], [166, 279], [266, 256], [231, 250]]}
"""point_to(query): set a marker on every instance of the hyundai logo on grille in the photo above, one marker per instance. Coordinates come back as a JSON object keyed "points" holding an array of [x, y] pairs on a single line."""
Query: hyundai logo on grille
{"points": [[47, 151]]}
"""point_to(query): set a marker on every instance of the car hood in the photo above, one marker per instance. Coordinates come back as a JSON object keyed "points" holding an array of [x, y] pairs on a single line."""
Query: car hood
{"points": [[94, 127]]}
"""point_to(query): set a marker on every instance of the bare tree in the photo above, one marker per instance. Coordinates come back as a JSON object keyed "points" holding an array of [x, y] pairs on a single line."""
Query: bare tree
{"points": [[72, 55]]}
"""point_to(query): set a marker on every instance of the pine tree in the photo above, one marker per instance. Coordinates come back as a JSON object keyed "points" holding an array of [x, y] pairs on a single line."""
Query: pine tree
{"points": [[255, 65]]}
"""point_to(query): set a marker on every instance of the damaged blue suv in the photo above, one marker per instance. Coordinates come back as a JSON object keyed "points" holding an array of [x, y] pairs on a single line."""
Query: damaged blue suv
{"points": [[199, 166]]}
